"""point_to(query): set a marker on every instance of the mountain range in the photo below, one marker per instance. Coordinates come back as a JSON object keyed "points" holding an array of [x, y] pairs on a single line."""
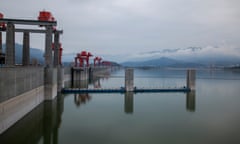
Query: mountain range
{"points": [[181, 57], [187, 57], [162, 62], [34, 53]]}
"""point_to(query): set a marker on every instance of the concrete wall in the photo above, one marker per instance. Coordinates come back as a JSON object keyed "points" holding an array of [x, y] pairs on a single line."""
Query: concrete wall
{"points": [[24, 88], [67, 77], [80, 77], [50, 83], [18, 80], [99, 71]]}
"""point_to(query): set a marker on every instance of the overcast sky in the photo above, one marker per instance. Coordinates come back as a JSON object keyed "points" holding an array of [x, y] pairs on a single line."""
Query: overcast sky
{"points": [[134, 26]]}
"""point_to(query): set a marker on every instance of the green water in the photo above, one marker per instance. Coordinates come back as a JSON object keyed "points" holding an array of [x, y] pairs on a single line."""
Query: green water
{"points": [[210, 115]]}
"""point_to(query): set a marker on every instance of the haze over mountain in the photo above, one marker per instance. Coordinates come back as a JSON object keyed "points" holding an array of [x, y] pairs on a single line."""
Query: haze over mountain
{"points": [[179, 57], [34, 53], [162, 62], [191, 56]]}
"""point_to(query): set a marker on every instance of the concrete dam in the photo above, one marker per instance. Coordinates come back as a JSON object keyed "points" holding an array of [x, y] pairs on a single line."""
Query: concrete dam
{"points": [[24, 87]]}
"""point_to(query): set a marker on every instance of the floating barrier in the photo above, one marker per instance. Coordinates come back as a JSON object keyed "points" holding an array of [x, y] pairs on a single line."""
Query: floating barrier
{"points": [[123, 90]]}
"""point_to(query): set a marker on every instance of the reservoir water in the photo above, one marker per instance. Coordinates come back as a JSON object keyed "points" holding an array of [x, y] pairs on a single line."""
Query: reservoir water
{"points": [[209, 115]]}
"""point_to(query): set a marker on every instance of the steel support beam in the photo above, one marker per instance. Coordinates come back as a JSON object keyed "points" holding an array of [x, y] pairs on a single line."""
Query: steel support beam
{"points": [[29, 22], [10, 45]]}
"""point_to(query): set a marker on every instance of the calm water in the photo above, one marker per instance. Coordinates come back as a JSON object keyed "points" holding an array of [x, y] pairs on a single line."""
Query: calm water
{"points": [[209, 115]]}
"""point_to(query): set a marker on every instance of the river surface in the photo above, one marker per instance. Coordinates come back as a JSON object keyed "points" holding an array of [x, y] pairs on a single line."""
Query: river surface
{"points": [[209, 115]]}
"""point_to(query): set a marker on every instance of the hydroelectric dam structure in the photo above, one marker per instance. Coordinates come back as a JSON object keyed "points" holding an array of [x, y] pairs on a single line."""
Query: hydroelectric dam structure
{"points": [[23, 87]]}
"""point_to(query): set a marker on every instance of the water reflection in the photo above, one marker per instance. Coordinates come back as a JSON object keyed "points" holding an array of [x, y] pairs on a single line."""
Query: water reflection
{"points": [[128, 102], [39, 126], [190, 101], [81, 99], [43, 123]]}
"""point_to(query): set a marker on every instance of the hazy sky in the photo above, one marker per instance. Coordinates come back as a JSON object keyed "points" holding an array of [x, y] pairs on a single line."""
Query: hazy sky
{"points": [[134, 26]]}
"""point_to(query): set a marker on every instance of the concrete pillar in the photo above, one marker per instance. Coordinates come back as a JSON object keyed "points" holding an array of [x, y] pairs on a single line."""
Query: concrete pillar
{"points": [[128, 102], [56, 49], [1, 43], [60, 75], [191, 78], [10, 45], [129, 79], [50, 83], [80, 77], [26, 49], [50, 74], [48, 47]]}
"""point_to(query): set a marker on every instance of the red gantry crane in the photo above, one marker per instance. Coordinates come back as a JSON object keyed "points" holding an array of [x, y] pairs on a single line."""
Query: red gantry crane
{"points": [[97, 61], [2, 24], [46, 16], [82, 57]]}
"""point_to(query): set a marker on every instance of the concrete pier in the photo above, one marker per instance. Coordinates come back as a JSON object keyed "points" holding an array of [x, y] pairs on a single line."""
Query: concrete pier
{"points": [[191, 78], [1, 42], [60, 78], [129, 85], [50, 83], [10, 45], [80, 77], [56, 49], [48, 47], [26, 49], [2, 55]]}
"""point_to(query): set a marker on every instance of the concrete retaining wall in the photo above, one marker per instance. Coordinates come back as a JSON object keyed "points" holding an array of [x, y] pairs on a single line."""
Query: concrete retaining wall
{"points": [[18, 80], [24, 88]]}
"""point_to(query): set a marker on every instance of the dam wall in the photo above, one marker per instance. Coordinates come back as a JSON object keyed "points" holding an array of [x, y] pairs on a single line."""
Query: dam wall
{"points": [[21, 90], [18, 80]]}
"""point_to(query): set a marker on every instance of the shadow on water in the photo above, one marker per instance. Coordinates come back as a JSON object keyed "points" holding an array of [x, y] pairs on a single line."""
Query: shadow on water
{"points": [[39, 126]]}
